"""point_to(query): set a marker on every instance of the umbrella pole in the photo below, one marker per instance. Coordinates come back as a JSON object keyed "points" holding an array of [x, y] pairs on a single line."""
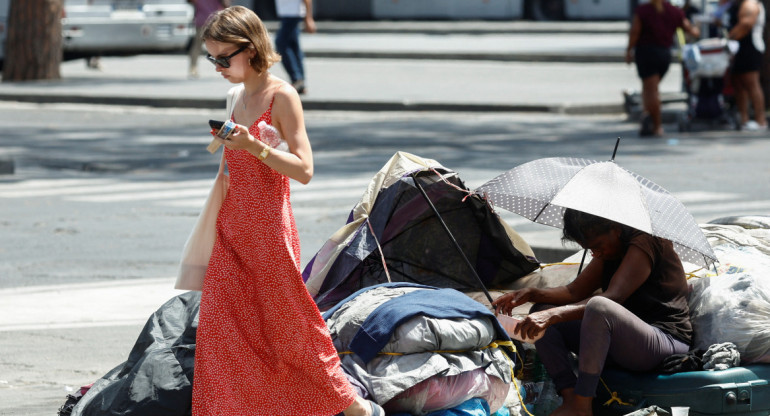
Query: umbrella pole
{"points": [[617, 142], [580, 269], [451, 237]]}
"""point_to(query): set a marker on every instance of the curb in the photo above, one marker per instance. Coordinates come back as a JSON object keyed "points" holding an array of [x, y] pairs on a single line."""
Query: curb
{"points": [[471, 56], [470, 27], [323, 105]]}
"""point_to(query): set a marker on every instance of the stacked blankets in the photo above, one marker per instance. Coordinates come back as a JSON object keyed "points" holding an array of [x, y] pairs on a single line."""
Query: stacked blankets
{"points": [[418, 349]]}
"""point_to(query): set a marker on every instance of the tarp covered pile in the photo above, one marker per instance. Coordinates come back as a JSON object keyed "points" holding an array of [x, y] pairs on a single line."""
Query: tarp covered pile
{"points": [[418, 349], [395, 224], [156, 379]]}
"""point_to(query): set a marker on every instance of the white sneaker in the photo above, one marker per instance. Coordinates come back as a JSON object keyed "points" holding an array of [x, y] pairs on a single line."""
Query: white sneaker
{"points": [[752, 125]]}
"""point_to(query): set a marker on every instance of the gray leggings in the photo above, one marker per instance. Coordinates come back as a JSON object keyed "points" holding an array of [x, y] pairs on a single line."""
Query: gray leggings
{"points": [[608, 331]]}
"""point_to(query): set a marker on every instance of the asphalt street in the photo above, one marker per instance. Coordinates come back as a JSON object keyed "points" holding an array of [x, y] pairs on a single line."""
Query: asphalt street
{"points": [[102, 196]]}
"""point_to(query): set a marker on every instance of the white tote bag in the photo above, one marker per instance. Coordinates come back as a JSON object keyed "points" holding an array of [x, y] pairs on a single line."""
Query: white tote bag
{"points": [[200, 243], [197, 250]]}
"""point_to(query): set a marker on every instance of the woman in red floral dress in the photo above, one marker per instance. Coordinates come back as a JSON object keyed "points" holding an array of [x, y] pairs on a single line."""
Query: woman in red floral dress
{"points": [[262, 346]]}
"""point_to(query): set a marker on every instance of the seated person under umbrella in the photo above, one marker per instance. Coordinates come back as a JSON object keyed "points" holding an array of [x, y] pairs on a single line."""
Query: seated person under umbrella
{"points": [[639, 318]]}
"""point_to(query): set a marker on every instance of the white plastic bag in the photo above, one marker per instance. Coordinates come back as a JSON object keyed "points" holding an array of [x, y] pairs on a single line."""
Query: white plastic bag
{"points": [[445, 392], [734, 306]]}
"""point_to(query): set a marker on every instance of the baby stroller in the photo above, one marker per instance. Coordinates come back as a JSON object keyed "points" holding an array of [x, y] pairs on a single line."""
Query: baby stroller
{"points": [[710, 97]]}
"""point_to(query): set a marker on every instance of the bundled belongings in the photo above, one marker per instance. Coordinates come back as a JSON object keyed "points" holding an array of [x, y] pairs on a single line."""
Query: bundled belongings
{"points": [[734, 305], [418, 349], [156, 379], [394, 235]]}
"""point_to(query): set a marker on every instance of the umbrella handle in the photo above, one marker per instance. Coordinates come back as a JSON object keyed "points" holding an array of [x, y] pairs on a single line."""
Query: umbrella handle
{"points": [[580, 269]]}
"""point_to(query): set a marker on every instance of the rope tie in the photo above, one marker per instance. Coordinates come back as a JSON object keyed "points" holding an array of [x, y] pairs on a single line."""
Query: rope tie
{"points": [[613, 396]]}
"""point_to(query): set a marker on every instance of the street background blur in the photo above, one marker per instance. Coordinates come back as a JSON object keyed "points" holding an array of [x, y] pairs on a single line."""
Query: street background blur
{"points": [[104, 172]]}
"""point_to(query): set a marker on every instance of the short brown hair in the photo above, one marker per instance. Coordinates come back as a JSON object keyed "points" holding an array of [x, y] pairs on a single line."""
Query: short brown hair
{"points": [[241, 26]]}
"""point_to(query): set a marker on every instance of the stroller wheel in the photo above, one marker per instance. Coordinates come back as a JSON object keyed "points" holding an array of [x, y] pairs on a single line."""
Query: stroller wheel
{"points": [[683, 123]]}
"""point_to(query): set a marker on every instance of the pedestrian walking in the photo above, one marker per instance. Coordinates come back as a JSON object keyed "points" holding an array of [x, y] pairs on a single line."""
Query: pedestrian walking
{"points": [[203, 9], [292, 13], [262, 346], [649, 45], [746, 25]]}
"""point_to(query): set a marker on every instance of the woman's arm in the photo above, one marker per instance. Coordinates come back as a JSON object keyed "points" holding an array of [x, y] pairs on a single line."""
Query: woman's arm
{"points": [[287, 117], [747, 18], [691, 29], [576, 291], [633, 37], [634, 270]]}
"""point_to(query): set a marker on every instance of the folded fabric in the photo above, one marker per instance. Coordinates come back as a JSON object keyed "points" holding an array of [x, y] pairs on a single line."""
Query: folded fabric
{"points": [[378, 327], [721, 357]]}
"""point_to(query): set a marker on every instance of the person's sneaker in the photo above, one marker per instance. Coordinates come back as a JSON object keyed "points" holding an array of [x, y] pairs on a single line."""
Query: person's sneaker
{"points": [[752, 125]]}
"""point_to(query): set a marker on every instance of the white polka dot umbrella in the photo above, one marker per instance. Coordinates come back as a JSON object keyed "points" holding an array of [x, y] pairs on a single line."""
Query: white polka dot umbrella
{"points": [[542, 189]]}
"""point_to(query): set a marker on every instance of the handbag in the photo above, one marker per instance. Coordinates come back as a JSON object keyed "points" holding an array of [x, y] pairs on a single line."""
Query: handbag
{"points": [[197, 250]]}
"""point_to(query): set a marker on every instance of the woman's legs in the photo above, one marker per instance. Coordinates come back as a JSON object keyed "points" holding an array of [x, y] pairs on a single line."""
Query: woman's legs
{"points": [[752, 90], [608, 330], [287, 45], [651, 102]]}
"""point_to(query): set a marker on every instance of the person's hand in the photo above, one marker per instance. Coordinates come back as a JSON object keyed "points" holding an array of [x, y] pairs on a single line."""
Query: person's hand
{"points": [[629, 56], [505, 304], [239, 138], [309, 24], [534, 324]]}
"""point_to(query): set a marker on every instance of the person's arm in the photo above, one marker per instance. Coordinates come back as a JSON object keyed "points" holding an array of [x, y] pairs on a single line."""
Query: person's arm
{"points": [[633, 37], [634, 270], [309, 21], [690, 29], [297, 163], [747, 18], [579, 289]]}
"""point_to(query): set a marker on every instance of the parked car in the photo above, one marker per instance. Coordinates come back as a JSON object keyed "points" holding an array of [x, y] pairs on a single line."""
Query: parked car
{"points": [[118, 27]]}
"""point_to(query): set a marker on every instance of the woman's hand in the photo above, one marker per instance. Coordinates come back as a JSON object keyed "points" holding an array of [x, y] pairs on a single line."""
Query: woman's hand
{"points": [[240, 138], [534, 324], [505, 304]]}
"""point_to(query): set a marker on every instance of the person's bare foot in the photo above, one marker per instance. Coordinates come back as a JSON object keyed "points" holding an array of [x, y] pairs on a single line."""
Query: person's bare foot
{"points": [[574, 404]]}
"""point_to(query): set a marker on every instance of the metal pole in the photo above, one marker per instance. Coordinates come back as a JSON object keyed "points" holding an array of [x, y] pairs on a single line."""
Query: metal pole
{"points": [[451, 237]]}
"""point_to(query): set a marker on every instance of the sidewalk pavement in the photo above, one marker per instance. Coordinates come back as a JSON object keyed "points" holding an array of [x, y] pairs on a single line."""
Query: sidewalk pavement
{"points": [[80, 305], [393, 66]]}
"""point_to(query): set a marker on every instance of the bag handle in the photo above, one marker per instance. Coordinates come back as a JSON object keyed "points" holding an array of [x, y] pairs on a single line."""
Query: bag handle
{"points": [[215, 144]]}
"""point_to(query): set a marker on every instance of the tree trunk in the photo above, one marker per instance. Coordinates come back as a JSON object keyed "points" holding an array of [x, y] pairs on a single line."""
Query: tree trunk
{"points": [[764, 74], [34, 43]]}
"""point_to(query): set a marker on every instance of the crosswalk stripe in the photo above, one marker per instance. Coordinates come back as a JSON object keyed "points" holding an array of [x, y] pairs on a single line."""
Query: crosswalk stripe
{"points": [[319, 197]]}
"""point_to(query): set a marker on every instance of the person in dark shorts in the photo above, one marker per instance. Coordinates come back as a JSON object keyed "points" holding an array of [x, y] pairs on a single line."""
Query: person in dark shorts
{"points": [[649, 45], [627, 307], [747, 22]]}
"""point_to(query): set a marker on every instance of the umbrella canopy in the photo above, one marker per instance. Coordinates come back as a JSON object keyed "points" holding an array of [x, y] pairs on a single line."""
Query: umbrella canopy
{"points": [[542, 189]]}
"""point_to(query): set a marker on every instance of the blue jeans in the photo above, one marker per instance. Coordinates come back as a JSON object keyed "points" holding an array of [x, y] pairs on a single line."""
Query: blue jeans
{"points": [[287, 45]]}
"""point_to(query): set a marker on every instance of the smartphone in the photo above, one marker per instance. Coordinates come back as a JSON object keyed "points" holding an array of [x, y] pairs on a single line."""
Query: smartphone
{"points": [[223, 128], [216, 124]]}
